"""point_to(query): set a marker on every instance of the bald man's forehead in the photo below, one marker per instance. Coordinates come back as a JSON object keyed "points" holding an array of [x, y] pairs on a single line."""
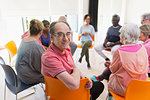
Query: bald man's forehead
{"points": [[60, 25]]}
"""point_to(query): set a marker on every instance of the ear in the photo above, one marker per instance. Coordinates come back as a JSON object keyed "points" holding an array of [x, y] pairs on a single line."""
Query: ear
{"points": [[41, 32], [51, 37]]}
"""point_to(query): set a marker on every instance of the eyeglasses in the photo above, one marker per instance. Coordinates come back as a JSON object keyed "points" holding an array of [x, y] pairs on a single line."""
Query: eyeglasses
{"points": [[61, 34]]}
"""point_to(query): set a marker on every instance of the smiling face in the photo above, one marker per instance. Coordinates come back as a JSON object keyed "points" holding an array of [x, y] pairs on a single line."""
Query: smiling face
{"points": [[115, 21], [143, 37], [61, 37], [87, 20]]}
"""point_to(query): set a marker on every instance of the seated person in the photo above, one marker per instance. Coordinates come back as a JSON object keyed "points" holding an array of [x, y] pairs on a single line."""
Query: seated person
{"points": [[129, 61], [28, 62], [57, 61], [86, 33], [145, 37], [72, 45], [112, 40], [45, 37]]}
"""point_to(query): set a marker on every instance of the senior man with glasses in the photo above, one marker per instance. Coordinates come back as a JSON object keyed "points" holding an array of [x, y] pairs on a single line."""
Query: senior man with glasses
{"points": [[57, 61]]}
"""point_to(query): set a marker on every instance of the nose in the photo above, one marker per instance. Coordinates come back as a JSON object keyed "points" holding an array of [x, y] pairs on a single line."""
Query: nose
{"points": [[65, 37]]}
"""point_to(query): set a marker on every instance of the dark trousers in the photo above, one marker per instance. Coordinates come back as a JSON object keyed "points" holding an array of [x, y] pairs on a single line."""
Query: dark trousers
{"points": [[85, 51], [96, 90], [105, 75]]}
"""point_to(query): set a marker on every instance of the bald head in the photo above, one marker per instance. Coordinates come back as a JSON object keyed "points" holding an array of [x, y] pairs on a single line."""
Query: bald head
{"points": [[62, 18]]}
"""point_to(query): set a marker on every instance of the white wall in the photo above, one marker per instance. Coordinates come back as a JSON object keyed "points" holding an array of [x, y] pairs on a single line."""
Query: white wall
{"points": [[11, 12], [135, 8], [58, 7], [107, 8]]}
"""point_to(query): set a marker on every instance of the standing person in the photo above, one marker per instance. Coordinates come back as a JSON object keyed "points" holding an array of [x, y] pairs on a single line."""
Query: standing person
{"points": [[129, 61], [45, 37], [72, 45], [86, 33], [112, 40], [145, 37], [57, 61], [28, 62]]}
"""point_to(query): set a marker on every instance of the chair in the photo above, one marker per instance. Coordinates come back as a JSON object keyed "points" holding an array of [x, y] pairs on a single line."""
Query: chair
{"points": [[14, 84], [58, 91], [136, 90], [12, 50], [79, 46]]}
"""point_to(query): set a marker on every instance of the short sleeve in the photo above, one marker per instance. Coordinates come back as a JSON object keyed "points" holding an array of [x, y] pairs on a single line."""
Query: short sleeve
{"points": [[80, 32], [93, 30], [52, 66]]}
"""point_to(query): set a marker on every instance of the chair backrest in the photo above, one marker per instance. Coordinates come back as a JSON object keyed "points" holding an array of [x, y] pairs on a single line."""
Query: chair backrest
{"points": [[58, 91], [12, 49], [10, 75], [138, 90]]}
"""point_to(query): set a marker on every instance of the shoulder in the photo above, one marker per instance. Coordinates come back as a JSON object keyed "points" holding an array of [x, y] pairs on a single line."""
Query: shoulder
{"points": [[111, 27], [120, 26]]}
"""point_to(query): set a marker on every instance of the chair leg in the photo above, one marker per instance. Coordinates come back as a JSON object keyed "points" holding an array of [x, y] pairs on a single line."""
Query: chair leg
{"points": [[46, 97], [16, 96], [42, 87], [5, 92]]}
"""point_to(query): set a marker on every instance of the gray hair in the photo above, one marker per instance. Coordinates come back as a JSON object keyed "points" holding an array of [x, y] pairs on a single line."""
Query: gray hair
{"points": [[129, 33], [116, 16], [146, 16], [145, 29], [52, 26]]}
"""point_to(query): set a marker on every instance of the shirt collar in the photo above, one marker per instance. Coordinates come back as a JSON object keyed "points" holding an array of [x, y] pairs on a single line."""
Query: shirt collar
{"points": [[55, 49]]}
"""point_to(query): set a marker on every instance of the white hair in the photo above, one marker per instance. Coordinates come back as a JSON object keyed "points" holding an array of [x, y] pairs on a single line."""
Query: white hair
{"points": [[129, 33]]}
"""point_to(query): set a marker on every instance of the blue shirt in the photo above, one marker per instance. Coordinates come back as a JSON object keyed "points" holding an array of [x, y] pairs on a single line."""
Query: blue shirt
{"points": [[113, 33], [45, 41], [86, 37]]}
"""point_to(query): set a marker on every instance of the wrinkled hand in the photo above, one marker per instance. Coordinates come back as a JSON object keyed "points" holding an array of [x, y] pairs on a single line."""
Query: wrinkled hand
{"points": [[107, 63], [110, 44], [89, 84]]}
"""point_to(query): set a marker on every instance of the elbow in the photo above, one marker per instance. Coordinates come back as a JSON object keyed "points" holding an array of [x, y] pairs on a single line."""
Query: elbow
{"points": [[74, 86]]}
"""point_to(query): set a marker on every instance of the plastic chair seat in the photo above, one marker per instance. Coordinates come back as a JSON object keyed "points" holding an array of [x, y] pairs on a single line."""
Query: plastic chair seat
{"points": [[79, 46]]}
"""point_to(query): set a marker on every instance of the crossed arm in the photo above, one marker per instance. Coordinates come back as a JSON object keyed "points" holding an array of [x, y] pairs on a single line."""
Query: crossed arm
{"points": [[72, 81]]}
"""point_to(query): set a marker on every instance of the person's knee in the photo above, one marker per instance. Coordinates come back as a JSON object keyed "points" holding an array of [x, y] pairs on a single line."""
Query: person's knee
{"points": [[98, 49]]}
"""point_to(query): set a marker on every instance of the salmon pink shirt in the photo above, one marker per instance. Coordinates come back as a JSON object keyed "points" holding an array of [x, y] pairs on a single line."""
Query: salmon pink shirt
{"points": [[55, 62], [129, 62]]}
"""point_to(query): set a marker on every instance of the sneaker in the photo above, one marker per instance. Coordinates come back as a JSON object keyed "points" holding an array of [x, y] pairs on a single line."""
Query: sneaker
{"points": [[107, 59], [93, 78], [109, 97]]}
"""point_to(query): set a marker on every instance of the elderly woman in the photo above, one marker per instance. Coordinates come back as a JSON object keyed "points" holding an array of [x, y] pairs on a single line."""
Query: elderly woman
{"points": [[145, 37], [86, 33], [129, 61], [28, 62]]}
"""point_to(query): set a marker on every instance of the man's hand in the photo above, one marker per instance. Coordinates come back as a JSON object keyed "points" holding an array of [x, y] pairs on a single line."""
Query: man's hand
{"points": [[105, 45], [107, 63], [89, 84]]}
